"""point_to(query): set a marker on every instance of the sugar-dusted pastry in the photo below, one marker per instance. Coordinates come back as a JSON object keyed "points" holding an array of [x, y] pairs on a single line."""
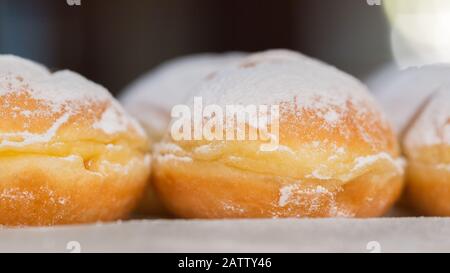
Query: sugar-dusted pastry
{"points": [[151, 97], [68, 152], [427, 148], [403, 92], [333, 155]]}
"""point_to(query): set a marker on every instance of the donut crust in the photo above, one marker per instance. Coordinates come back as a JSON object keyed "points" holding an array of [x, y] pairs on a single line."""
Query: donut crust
{"points": [[336, 155], [43, 190], [427, 148], [212, 190], [428, 189], [69, 153]]}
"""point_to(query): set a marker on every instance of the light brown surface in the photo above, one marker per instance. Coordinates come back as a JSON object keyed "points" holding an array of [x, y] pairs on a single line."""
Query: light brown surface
{"points": [[428, 189], [43, 190], [212, 190]]}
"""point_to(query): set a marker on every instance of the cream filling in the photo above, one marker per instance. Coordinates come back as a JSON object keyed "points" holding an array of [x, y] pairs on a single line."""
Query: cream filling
{"points": [[169, 151]]}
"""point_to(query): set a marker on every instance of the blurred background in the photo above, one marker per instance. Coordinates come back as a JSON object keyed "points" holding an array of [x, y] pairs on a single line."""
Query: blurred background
{"points": [[112, 42]]}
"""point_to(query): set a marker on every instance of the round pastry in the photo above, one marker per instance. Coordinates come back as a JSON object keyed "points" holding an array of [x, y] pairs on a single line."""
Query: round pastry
{"points": [[151, 98], [333, 155], [68, 152], [402, 93], [427, 148]]}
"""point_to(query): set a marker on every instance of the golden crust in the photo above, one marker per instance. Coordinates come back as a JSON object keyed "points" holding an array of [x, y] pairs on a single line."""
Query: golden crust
{"points": [[212, 190], [363, 131], [42, 190], [336, 153], [306, 141], [427, 147], [20, 113], [68, 151], [428, 188]]}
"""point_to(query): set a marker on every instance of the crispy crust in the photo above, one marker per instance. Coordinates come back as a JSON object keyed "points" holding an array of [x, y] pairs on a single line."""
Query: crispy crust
{"points": [[428, 188], [43, 190], [212, 190]]}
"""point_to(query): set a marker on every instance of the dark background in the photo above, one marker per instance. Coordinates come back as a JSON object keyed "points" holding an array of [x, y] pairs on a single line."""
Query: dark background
{"points": [[114, 41]]}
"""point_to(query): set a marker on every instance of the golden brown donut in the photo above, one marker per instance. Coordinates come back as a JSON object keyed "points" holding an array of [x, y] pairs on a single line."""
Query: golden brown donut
{"points": [[68, 152], [427, 148], [151, 97], [337, 154]]}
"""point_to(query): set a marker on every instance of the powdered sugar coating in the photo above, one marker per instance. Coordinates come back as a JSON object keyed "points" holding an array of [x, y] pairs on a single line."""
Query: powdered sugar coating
{"points": [[432, 127], [55, 88], [151, 97], [331, 133], [318, 198], [58, 97], [115, 120], [298, 84], [402, 93], [307, 88], [27, 138], [276, 76], [343, 112]]}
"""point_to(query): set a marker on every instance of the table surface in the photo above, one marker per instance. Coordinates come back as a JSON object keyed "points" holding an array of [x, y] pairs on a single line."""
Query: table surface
{"points": [[399, 234]]}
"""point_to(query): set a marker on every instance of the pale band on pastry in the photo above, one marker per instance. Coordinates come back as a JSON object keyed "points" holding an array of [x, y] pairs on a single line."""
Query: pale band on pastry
{"points": [[336, 156], [68, 151]]}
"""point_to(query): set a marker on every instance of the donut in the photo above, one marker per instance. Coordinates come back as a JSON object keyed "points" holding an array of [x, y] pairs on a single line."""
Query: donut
{"points": [[402, 93], [334, 153], [427, 148], [69, 153], [151, 97]]}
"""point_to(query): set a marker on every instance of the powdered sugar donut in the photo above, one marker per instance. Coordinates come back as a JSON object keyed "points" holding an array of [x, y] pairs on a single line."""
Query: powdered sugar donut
{"points": [[335, 154], [402, 93], [68, 152], [151, 98], [427, 147]]}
